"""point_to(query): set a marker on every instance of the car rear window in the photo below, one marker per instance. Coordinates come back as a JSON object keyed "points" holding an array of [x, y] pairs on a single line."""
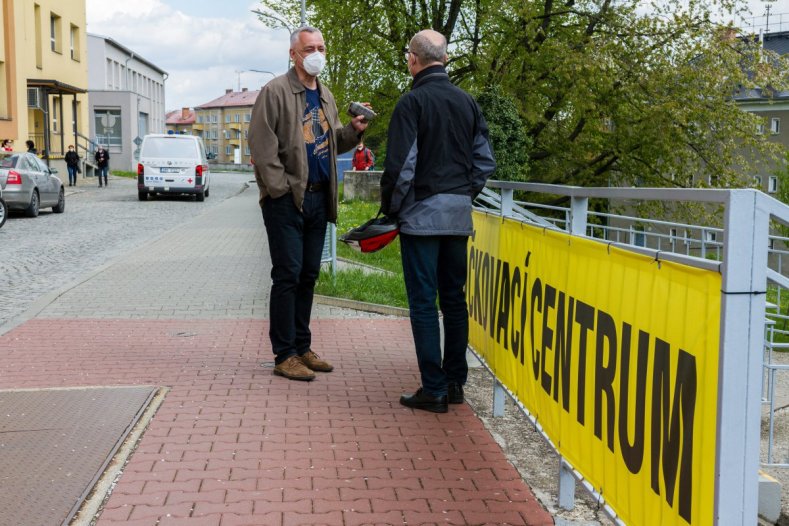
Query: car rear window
{"points": [[9, 161], [170, 148]]}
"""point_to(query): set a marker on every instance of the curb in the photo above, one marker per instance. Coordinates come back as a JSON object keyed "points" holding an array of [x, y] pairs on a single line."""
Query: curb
{"points": [[362, 306]]}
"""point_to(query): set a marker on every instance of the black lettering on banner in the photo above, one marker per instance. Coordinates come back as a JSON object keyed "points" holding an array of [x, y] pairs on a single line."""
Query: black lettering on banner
{"points": [[633, 453], [515, 293], [584, 316], [667, 434], [472, 255], [547, 336], [563, 352], [486, 291], [524, 310], [604, 377], [504, 304], [494, 296], [536, 298]]}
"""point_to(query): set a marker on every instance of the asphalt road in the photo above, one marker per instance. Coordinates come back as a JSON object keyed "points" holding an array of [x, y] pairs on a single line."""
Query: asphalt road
{"points": [[41, 255]]}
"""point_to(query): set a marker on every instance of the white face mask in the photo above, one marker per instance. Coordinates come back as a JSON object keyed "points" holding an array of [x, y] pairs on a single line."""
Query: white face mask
{"points": [[314, 63]]}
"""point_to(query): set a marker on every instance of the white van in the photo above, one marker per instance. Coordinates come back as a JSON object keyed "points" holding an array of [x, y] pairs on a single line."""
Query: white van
{"points": [[173, 164]]}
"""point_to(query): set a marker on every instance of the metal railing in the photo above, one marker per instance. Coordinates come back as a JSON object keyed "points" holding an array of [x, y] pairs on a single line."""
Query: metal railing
{"points": [[749, 260]]}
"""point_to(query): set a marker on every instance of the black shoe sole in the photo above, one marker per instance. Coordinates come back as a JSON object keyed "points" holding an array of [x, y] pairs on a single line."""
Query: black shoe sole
{"points": [[455, 400], [289, 377], [433, 408]]}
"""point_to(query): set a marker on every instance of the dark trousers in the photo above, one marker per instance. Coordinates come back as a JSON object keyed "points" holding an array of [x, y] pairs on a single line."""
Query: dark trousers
{"points": [[72, 174], [436, 266], [295, 240], [103, 171]]}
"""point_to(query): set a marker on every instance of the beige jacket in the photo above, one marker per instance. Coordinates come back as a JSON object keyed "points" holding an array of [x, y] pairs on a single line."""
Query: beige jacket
{"points": [[276, 140]]}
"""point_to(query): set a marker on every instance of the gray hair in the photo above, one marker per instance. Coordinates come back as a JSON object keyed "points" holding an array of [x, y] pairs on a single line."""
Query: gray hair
{"points": [[294, 37], [428, 51]]}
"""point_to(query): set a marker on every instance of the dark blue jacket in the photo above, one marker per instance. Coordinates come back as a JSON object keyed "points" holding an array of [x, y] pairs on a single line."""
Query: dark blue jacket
{"points": [[438, 157]]}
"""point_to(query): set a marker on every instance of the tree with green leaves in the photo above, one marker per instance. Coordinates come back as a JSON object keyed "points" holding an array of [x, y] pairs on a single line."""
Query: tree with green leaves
{"points": [[608, 92]]}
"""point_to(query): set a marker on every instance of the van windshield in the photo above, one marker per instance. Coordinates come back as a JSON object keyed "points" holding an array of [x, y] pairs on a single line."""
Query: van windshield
{"points": [[170, 148]]}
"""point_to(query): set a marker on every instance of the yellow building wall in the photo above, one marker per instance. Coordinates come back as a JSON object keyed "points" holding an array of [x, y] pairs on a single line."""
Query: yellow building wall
{"points": [[35, 59]]}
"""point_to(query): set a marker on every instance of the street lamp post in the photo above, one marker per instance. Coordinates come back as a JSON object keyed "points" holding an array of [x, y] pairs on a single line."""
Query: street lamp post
{"points": [[240, 71]]}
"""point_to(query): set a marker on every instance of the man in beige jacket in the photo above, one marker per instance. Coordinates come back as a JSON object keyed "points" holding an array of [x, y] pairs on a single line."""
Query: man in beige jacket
{"points": [[294, 136]]}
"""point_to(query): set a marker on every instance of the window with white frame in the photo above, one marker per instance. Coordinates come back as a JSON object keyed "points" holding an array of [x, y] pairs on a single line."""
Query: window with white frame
{"points": [[246, 150], [772, 184], [228, 150], [237, 117], [247, 117], [775, 125], [760, 128], [757, 181], [637, 236], [55, 114], [54, 32], [227, 118], [74, 42], [710, 237]]}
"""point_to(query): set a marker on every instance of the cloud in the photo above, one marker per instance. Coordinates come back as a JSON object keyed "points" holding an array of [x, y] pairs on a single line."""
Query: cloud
{"points": [[200, 53]]}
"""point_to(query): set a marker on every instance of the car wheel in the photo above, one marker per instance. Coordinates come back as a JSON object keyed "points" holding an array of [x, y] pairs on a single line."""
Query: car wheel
{"points": [[201, 196], [3, 212], [61, 206], [142, 196], [32, 208]]}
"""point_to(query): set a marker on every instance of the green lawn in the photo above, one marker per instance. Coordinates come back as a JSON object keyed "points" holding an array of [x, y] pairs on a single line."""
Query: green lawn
{"points": [[122, 173], [384, 288]]}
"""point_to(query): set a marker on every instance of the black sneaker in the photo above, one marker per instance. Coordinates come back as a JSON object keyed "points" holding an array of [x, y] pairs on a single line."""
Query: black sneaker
{"points": [[455, 393], [422, 400]]}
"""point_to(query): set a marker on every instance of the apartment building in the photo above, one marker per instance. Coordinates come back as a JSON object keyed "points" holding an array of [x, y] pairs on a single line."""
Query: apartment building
{"points": [[223, 123], [180, 121], [126, 97], [44, 75], [773, 107]]}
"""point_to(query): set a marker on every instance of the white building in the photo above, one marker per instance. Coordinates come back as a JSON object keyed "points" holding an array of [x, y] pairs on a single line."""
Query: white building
{"points": [[125, 97]]}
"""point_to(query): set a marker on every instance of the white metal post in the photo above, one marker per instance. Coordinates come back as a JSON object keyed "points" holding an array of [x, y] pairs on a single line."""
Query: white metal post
{"points": [[742, 336], [566, 486], [507, 200], [579, 206], [498, 398]]}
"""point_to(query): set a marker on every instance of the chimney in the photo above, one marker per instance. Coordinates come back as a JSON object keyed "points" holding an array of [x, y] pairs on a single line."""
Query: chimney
{"points": [[244, 89], [228, 91], [184, 113]]}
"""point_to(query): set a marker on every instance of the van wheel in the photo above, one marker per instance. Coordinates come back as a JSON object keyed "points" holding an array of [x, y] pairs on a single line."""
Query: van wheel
{"points": [[201, 196], [3, 212], [32, 208], [142, 196], [207, 191], [61, 206]]}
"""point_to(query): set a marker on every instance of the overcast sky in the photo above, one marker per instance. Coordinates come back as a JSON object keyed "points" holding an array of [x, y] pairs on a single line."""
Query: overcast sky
{"points": [[203, 43]]}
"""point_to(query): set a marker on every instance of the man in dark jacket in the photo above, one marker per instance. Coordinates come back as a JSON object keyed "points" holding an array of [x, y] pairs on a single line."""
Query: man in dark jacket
{"points": [[103, 162], [72, 165], [438, 159]]}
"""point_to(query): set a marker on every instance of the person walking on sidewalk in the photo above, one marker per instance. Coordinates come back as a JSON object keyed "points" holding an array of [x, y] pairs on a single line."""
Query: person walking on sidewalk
{"points": [[362, 158], [437, 161], [103, 163], [294, 137], [72, 165]]}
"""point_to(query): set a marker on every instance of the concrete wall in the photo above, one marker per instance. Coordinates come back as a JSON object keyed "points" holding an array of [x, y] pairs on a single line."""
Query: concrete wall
{"points": [[362, 185]]}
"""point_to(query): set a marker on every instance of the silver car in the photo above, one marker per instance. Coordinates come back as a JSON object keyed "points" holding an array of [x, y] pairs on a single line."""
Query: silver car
{"points": [[28, 184]]}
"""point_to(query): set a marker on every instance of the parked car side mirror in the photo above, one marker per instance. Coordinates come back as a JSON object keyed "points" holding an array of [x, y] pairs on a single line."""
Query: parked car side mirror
{"points": [[53, 171]]}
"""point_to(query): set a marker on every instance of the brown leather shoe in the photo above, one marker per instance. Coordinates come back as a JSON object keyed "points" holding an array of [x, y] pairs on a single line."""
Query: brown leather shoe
{"points": [[312, 361], [294, 369]]}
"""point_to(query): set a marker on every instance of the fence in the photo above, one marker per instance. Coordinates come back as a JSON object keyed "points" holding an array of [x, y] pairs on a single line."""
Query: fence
{"points": [[738, 254]]}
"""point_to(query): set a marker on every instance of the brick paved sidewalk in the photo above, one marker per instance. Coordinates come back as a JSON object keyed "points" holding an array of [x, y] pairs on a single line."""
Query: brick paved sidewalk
{"points": [[234, 445]]}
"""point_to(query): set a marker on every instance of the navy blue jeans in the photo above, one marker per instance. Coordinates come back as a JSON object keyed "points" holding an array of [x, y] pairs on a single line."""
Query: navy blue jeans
{"points": [[295, 240], [436, 266], [72, 174]]}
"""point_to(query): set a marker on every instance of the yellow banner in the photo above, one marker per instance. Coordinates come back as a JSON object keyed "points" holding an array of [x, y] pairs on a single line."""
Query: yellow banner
{"points": [[614, 353]]}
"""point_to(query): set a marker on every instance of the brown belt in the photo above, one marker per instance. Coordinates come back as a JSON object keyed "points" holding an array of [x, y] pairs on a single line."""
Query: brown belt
{"points": [[317, 187]]}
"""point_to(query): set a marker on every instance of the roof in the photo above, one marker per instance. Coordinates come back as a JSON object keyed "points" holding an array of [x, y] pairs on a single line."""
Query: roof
{"points": [[176, 117], [777, 42], [129, 52], [234, 98]]}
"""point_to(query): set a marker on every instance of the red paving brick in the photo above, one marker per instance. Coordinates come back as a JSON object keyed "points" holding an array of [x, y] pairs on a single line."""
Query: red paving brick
{"points": [[234, 445]]}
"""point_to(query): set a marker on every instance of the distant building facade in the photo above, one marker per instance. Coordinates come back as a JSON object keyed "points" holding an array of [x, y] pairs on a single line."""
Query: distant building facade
{"points": [[180, 121], [43, 74], [223, 123], [773, 107], [126, 98]]}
